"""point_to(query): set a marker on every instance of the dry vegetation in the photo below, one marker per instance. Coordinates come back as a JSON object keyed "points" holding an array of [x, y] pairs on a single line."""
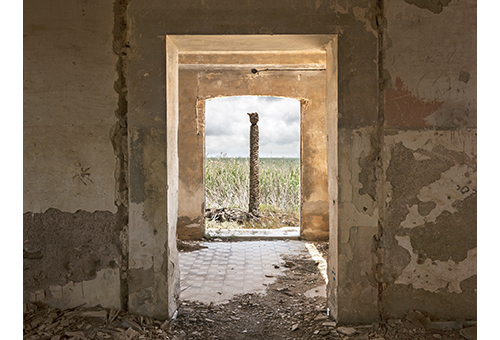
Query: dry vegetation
{"points": [[227, 181]]}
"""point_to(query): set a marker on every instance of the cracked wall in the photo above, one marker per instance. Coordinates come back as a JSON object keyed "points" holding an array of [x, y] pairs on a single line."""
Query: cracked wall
{"points": [[430, 238], [94, 115], [72, 221]]}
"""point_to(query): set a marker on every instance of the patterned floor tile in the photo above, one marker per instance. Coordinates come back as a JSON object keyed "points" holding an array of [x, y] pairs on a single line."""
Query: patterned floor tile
{"points": [[224, 269]]}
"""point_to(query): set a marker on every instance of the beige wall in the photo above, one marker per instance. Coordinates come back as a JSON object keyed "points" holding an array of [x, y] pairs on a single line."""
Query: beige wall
{"points": [[69, 106], [307, 86], [71, 222]]}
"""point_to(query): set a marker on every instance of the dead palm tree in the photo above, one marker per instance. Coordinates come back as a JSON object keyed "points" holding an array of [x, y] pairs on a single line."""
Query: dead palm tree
{"points": [[253, 204]]}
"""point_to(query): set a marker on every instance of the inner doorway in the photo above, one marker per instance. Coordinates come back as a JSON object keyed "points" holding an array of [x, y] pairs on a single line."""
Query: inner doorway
{"points": [[227, 150]]}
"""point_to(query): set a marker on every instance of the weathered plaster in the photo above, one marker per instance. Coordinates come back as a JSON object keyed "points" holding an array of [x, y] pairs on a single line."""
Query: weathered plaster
{"points": [[104, 290], [357, 227], [431, 61], [61, 247], [357, 285], [425, 52], [430, 237], [455, 184], [435, 6], [358, 207], [69, 104], [435, 275]]}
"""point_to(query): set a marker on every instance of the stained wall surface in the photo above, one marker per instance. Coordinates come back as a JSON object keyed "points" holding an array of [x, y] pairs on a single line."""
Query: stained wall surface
{"points": [[72, 248], [430, 160], [307, 86], [95, 78]]}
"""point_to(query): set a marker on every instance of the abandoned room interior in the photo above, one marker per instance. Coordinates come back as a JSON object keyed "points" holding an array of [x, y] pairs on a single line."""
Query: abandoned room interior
{"points": [[114, 156]]}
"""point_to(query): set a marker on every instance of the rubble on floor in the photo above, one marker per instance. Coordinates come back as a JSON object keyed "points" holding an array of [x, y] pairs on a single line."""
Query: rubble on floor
{"points": [[249, 316], [44, 323], [284, 311]]}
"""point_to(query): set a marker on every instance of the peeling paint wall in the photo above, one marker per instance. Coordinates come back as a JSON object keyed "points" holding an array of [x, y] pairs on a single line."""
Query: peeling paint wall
{"points": [[100, 149], [430, 64], [429, 237], [72, 222], [61, 251]]}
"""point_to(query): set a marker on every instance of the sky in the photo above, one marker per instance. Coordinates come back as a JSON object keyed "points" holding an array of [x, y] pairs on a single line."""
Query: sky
{"points": [[227, 126]]}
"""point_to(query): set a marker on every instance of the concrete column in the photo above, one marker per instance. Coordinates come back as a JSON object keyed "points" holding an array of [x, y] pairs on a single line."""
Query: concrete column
{"points": [[153, 280], [332, 161]]}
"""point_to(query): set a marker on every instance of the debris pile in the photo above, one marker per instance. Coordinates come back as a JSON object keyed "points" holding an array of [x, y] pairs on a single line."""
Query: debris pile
{"points": [[229, 215], [79, 323], [267, 219]]}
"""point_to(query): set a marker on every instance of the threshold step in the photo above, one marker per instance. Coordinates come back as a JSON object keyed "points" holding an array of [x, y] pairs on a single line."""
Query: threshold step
{"points": [[288, 233]]}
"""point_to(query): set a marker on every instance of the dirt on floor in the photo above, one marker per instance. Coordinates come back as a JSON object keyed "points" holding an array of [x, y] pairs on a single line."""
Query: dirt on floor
{"points": [[283, 312]]}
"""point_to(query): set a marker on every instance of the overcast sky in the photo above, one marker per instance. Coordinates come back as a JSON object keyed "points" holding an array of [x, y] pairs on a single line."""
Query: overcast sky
{"points": [[228, 126]]}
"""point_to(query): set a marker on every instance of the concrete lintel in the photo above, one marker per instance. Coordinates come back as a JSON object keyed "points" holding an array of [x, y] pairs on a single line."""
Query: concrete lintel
{"points": [[250, 43], [258, 67]]}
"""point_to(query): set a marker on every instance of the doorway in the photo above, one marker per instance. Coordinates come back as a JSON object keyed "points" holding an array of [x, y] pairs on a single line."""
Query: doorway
{"points": [[204, 67], [227, 149]]}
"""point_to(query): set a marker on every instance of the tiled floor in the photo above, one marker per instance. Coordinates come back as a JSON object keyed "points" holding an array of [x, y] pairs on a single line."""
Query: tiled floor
{"points": [[224, 269], [289, 233]]}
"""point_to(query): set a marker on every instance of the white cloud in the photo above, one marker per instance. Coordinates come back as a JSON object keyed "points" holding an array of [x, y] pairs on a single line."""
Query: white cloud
{"points": [[228, 126]]}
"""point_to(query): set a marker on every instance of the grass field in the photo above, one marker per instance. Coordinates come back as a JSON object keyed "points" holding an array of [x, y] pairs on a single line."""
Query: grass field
{"points": [[227, 184]]}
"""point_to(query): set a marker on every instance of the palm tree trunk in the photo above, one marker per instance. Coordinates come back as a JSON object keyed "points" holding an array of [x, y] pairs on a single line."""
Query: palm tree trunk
{"points": [[253, 204]]}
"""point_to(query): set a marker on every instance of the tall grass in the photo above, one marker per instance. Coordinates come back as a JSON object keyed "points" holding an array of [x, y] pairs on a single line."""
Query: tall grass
{"points": [[227, 183]]}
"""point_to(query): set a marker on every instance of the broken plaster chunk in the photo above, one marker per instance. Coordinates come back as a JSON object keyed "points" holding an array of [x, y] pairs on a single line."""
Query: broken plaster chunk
{"points": [[443, 325], [329, 324], [100, 314], [56, 292], [77, 335], [131, 332], [320, 317], [420, 157], [362, 337], [37, 296], [469, 333], [347, 330], [417, 319], [129, 323]]}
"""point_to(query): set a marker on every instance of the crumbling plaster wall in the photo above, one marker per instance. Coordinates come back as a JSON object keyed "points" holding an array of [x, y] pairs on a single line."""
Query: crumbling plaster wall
{"points": [[307, 86], [72, 246], [429, 236], [407, 112]]}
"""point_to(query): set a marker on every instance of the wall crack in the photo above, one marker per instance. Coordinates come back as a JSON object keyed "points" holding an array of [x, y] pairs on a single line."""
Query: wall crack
{"points": [[119, 138]]}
